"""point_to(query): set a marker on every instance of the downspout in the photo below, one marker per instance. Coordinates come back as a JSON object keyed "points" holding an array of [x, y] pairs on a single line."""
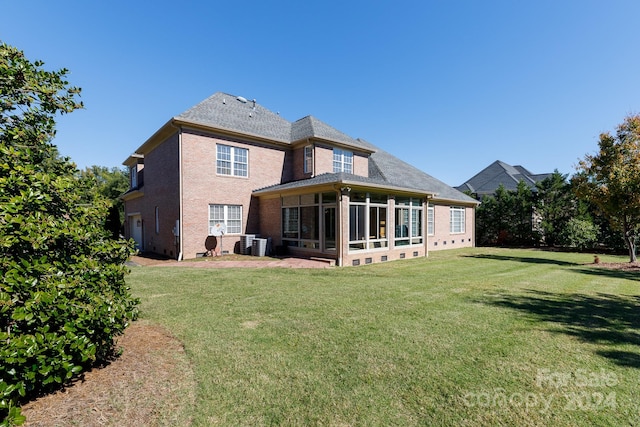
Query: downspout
{"points": [[313, 158], [425, 224], [339, 230], [339, 248], [180, 196]]}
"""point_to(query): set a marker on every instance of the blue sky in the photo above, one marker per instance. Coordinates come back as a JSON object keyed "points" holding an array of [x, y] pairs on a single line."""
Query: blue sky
{"points": [[448, 86]]}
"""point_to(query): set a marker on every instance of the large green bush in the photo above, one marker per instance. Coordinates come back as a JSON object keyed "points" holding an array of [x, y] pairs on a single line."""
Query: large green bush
{"points": [[579, 233], [63, 297]]}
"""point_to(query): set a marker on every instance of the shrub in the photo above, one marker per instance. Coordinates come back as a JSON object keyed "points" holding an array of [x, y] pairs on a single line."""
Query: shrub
{"points": [[63, 297]]}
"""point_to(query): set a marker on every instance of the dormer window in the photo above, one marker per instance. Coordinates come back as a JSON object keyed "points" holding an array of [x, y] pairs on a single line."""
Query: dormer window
{"points": [[342, 160]]}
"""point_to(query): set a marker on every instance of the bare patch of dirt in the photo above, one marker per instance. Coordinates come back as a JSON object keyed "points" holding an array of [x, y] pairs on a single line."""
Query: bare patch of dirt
{"points": [[150, 384], [153, 260]]}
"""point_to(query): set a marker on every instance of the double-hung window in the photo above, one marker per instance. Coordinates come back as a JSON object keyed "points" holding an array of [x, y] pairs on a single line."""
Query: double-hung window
{"points": [[229, 215], [430, 220], [342, 160], [133, 176], [456, 222], [232, 161], [308, 159]]}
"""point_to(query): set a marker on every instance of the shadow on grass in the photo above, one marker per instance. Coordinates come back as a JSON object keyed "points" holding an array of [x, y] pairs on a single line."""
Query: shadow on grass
{"points": [[592, 269], [602, 319], [628, 274], [530, 260]]}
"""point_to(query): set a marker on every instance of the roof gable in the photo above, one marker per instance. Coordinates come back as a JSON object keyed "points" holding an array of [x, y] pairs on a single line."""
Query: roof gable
{"points": [[311, 127]]}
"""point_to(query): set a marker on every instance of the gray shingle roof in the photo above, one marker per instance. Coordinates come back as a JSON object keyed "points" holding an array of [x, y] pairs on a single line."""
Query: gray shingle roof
{"points": [[325, 178], [239, 115], [236, 114], [498, 173], [401, 174]]}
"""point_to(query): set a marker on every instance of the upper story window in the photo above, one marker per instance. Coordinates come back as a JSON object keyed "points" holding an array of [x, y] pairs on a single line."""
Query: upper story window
{"points": [[308, 159], [133, 176], [232, 161], [342, 160], [456, 222]]}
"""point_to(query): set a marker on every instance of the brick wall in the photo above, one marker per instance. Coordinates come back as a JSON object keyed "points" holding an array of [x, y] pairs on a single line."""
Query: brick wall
{"points": [[202, 186], [324, 161], [161, 189], [323, 158], [270, 219], [298, 164], [443, 238], [360, 164]]}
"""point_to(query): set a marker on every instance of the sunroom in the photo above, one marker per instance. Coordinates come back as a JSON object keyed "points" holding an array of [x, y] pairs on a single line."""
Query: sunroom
{"points": [[345, 220]]}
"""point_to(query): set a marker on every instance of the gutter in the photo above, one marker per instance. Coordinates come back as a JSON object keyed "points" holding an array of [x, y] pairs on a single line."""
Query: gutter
{"points": [[180, 195]]}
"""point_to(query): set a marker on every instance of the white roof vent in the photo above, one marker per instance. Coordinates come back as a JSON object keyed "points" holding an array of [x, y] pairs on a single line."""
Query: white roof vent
{"points": [[242, 99]]}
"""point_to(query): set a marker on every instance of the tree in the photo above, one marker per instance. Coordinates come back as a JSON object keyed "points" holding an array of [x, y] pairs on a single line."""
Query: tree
{"points": [[495, 218], [556, 205], [610, 179], [579, 233], [486, 226], [523, 213], [109, 183], [506, 218], [63, 297]]}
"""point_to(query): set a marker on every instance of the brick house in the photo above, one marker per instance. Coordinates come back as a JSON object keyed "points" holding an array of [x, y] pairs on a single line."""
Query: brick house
{"points": [[228, 171]]}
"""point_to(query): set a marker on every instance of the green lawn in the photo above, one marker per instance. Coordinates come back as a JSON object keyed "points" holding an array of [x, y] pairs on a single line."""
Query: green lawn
{"points": [[466, 337]]}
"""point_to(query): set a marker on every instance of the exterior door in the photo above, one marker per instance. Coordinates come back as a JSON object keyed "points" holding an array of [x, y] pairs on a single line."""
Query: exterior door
{"points": [[329, 223], [135, 230]]}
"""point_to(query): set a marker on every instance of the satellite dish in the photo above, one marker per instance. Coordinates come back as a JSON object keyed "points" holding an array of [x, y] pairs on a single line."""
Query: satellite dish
{"points": [[218, 229]]}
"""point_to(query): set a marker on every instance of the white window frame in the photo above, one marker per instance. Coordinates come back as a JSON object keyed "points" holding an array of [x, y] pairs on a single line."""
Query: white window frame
{"points": [[361, 223], [133, 176], [308, 159], [229, 215], [232, 161], [411, 211], [457, 218], [342, 160], [431, 220]]}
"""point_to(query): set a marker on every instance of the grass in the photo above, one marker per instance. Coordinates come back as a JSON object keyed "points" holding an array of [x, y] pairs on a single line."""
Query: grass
{"points": [[466, 337]]}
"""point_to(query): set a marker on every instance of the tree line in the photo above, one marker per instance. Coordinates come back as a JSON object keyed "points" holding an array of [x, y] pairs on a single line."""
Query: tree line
{"points": [[597, 208]]}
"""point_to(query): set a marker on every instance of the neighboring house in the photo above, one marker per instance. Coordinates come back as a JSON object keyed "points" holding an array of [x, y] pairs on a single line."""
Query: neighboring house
{"points": [[230, 165], [487, 181]]}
